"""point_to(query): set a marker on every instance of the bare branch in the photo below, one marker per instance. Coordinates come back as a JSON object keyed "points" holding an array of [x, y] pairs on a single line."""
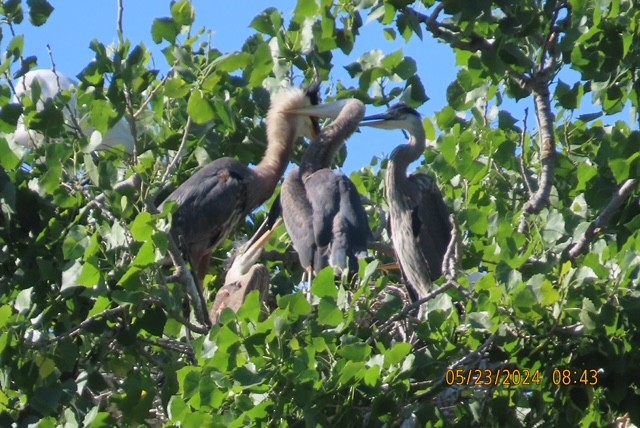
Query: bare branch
{"points": [[448, 32], [452, 256], [546, 118], [603, 219], [80, 327], [184, 277], [178, 157], [523, 166], [120, 14]]}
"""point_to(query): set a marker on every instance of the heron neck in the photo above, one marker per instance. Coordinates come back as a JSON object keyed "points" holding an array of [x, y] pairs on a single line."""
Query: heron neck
{"points": [[280, 139], [323, 149], [403, 155]]}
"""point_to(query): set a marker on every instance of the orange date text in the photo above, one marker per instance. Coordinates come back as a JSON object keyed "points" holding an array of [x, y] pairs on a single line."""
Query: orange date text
{"points": [[492, 377]]}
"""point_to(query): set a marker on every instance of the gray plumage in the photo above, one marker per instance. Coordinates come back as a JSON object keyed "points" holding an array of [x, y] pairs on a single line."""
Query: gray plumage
{"points": [[321, 208], [213, 201], [418, 215]]}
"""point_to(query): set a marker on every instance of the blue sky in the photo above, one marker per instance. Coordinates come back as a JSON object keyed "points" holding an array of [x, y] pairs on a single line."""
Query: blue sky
{"points": [[74, 23]]}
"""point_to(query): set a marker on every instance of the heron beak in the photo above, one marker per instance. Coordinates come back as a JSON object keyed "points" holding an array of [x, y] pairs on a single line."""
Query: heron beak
{"points": [[375, 120], [328, 110], [254, 251]]}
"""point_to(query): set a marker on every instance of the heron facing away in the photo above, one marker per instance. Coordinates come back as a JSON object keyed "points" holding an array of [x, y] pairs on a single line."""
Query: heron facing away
{"points": [[321, 208], [50, 84], [419, 220], [213, 201]]}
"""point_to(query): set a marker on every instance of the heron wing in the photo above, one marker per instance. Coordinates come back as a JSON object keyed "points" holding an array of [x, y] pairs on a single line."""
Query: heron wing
{"points": [[340, 223], [297, 216], [430, 222], [210, 204]]}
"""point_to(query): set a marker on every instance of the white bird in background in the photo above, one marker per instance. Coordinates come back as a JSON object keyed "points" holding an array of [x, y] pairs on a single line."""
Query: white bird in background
{"points": [[51, 84]]}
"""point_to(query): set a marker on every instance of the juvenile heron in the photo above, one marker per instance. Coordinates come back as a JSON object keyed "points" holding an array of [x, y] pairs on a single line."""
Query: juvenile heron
{"points": [[419, 221], [244, 275], [50, 84], [215, 199], [321, 208]]}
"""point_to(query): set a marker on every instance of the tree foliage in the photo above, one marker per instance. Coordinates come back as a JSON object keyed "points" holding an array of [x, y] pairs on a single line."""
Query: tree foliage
{"points": [[93, 333]]}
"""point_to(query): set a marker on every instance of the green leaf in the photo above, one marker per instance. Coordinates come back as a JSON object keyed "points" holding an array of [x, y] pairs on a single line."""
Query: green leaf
{"points": [[476, 221], [328, 313], [252, 306], [267, 22], [355, 351], [372, 376], [296, 303], [90, 275], [75, 243], [352, 372], [5, 316], [102, 113], [232, 61], [39, 11], [324, 284], [23, 300], [199, 108], [143, 227], [589, 314], [70, 275], [182, 12], [164, 29], [620, 169], [396, 354]]}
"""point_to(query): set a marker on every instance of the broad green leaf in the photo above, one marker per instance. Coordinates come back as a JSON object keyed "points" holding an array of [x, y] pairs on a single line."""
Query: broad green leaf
{"points": [[328, 313], [164, 29], [324, 284], [39, 11], [143, 227], [199, 108], [396, 354], [182, 12], [355, 352]]}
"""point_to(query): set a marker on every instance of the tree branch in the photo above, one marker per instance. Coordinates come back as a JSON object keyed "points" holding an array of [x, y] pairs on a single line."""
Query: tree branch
{"points": [[603, 219]]}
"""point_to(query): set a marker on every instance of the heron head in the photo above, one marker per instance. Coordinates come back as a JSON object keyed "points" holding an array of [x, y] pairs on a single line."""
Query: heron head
{"points": [[320, 111], [399, 116]]}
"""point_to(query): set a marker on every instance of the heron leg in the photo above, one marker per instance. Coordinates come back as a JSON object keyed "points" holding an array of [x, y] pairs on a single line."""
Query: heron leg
{"points": [[308, 276], [200, 267]]}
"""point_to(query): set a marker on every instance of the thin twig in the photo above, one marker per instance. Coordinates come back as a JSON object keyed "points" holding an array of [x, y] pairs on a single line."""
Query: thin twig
{"points": [[150, 97], [605, 216], [177, 158], [523, 166], [462, 362], [120, 14], [452, 256], [407, 309], [80, 327], [183, 276]]}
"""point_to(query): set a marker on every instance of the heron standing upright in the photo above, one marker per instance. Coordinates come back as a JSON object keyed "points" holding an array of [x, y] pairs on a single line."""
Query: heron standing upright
{"points": [[215, 199], [419, 221], [50, 84], [321, 208]]}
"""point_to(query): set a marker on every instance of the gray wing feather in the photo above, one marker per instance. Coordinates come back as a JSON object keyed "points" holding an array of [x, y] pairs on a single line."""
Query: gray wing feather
{"points": [[210, 203], [297, 215], [431, 225]]}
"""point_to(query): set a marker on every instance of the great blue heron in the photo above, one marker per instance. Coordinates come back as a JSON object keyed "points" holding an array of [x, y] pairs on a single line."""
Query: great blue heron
{"points": [[244, 275], [50, 84], [215, 199], [321, 208], [419, 221]]}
